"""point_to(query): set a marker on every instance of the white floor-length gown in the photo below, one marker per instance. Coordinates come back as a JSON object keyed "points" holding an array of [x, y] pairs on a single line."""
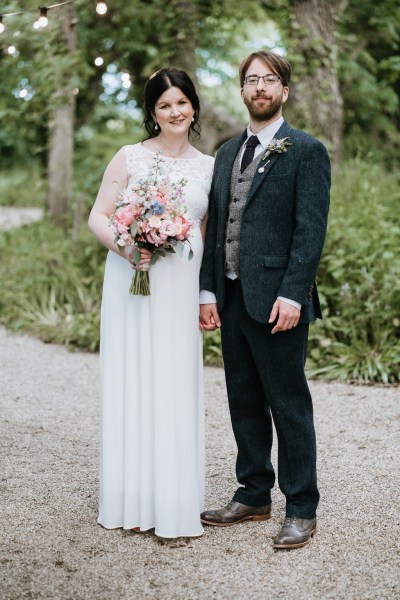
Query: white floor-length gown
{"points": [[152, 415]]}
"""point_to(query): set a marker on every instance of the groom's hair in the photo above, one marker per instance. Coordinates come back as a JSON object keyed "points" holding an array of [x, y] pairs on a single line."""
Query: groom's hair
{"points": [[278, 65]]}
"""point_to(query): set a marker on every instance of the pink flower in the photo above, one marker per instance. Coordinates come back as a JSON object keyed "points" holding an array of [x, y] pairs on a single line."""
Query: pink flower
{"points": [[125, 239], [181, 227], [154, 222], [161, 198], [124, 216], [167, 228], [154, 238]]}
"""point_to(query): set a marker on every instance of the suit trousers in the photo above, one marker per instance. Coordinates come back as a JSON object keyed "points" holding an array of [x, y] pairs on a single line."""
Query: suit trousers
{"points": [[265, 381]]}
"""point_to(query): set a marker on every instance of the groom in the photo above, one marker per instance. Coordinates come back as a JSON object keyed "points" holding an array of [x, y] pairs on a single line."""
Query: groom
{"points": [[266, 230]]}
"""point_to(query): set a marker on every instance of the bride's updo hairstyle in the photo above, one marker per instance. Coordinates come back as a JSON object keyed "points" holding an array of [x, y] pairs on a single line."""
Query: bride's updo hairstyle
{"points": [[158, 83]]}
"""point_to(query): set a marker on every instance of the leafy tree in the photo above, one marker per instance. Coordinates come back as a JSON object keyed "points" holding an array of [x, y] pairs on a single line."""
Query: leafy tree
{"points": [[340, 49]]}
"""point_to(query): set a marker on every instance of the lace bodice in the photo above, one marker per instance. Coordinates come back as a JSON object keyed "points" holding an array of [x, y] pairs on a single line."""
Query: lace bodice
{"points": [[197, 171]]}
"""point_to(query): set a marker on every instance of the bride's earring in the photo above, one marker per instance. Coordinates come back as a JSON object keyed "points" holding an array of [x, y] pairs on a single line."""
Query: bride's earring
{"points": [[193, 119], [156, 127]]}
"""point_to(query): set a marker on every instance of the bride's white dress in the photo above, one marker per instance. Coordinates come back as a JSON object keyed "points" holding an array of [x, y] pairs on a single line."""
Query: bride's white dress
{"points": [[152, 415]]}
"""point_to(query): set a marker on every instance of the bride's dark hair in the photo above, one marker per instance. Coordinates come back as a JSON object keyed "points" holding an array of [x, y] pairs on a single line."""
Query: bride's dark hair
{"points": [[161, 81]]}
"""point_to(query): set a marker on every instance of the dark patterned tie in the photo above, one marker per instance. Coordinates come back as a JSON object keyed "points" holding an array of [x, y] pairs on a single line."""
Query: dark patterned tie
{"points": [[248, 154]]}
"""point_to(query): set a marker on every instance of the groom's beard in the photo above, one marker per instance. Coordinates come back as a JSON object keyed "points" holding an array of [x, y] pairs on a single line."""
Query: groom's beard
{"points": [[263, 112]]}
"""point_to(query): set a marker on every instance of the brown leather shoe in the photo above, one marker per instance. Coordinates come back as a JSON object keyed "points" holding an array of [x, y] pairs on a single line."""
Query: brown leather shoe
{"points": [[295, 533], [234, 512]]}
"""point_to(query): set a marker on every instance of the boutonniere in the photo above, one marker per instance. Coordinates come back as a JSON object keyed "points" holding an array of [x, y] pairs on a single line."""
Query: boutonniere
{"points": [[276, 146]]}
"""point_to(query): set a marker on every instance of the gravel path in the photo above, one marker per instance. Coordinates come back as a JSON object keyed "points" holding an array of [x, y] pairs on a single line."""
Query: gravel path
{"points": [[51, 546], [12, 216]]}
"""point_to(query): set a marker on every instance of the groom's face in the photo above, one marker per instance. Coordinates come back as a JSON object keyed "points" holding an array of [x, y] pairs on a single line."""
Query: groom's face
{"points": [[264, 101]]}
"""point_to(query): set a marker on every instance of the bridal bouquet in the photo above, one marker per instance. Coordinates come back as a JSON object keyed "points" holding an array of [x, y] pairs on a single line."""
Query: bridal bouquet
{"points": [[150, 214]]}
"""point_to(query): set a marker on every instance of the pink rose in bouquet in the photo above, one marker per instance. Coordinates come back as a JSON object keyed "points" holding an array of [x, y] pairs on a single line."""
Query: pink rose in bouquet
{"points": [[182, 227]]}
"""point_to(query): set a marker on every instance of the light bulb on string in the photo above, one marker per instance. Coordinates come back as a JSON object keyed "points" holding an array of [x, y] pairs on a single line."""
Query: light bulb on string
{"points": [[98, 61], [2, 26], [11, 50], [101, 7], [43, 20]]}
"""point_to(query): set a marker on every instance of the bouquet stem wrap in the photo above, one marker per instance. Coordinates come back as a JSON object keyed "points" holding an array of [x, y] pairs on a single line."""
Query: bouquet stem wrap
{"points": [[140, 285]]}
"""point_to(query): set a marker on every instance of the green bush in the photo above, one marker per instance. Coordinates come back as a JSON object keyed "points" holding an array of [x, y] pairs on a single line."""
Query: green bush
{"points": [[358, 280], [51, 284], [212, 351], [20, 187]]}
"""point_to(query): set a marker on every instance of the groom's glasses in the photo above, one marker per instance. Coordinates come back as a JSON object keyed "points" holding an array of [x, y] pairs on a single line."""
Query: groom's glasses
{"points": [[267, 79]]}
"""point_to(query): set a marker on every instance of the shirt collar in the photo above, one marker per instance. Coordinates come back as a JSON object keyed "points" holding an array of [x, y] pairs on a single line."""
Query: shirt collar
{"points": [[266, 134]]}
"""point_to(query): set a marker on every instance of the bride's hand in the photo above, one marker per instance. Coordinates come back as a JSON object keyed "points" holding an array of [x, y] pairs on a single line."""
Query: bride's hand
{"points": [[145, 256]]}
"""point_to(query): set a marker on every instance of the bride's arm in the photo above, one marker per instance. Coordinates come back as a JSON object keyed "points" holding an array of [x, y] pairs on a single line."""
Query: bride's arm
{"points": [[114, 178]]}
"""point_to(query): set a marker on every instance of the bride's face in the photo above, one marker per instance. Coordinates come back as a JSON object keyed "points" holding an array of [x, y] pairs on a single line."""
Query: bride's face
{"points": [[173, 112]]}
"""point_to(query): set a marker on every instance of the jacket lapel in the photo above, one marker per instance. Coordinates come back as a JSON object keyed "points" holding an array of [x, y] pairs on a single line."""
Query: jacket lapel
{"points": [[267, 164]]}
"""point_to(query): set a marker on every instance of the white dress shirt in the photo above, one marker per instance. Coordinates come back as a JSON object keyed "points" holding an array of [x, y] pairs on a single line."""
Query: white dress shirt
{"points": [[265, 136]]}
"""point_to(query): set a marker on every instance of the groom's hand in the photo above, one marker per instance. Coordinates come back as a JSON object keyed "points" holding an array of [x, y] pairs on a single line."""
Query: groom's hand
{"points": [[286, 315], [209, 317]]}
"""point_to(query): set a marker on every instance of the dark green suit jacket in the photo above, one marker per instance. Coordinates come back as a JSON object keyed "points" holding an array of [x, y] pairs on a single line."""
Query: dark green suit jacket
{"points": [[283, 226]]}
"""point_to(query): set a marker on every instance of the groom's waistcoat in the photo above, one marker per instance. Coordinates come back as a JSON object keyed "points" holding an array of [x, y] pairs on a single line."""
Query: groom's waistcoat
{"points": [[240, 187]]}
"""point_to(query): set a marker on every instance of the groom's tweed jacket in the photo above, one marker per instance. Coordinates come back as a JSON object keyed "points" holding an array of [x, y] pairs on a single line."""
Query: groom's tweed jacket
{"points": [[240, 186], [283, 226]]}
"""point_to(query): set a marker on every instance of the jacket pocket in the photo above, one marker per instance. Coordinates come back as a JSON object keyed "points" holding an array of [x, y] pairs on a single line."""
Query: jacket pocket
{"points": [[276, 262]]}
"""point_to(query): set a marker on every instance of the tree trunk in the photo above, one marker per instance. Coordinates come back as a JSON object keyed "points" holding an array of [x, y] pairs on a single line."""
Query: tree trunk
{"points": [[216, 127], [61, 142], [316, 98]]}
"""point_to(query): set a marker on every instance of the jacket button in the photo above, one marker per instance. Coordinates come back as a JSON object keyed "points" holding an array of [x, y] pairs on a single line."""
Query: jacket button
{"points": [[231, 220], [240, 180], [228, 241]]}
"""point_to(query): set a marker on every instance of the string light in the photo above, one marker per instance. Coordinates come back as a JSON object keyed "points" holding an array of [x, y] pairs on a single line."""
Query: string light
{"points": [[43, 20], [101, 7]]}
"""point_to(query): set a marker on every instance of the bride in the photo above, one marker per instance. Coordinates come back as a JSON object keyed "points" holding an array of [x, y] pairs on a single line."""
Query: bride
{"points": [[152, 416]]}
